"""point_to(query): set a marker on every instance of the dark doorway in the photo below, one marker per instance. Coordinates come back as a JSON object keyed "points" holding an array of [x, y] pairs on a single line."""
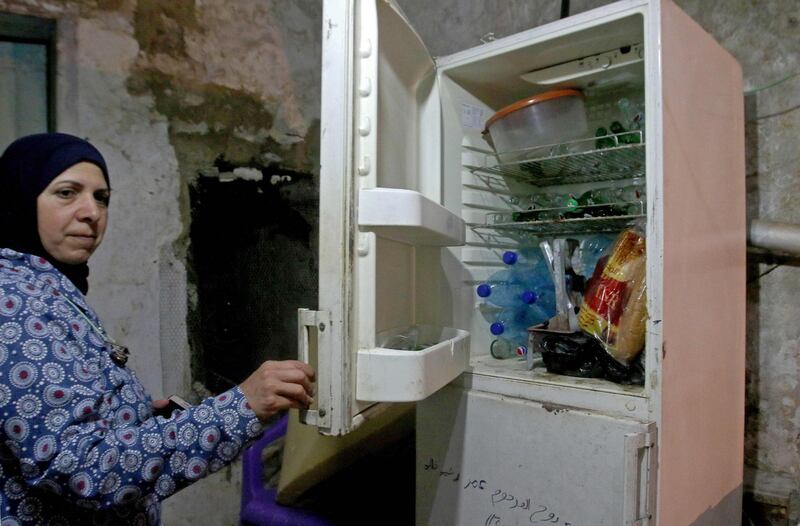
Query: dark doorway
{"points": [[253, 264]]}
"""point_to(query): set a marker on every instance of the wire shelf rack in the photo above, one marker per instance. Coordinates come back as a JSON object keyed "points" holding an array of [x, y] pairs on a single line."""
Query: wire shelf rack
{"points": [[572, 162], [560, 227]]}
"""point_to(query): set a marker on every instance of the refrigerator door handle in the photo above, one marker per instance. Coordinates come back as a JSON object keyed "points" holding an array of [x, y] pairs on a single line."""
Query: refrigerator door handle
{"points": [[314, 321], [637, 484]]}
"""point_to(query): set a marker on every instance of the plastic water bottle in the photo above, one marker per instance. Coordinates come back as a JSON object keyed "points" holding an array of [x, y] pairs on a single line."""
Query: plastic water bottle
{"points": [[505, 289], [502, 348], [635, 196], [530, 269], [512, 324], [589, 251], [514, 285], [525, 260], [488, 311], [517, 297], [632, 113]]}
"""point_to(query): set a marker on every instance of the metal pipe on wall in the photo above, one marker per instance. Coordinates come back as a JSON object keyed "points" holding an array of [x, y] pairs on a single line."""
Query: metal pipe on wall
{"points": [[774, 236]]}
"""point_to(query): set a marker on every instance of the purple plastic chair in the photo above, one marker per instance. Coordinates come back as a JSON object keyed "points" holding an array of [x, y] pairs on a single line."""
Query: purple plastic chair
{"points": [[258, 502]]}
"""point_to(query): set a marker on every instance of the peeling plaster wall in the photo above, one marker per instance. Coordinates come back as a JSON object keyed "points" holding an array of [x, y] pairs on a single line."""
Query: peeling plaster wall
{"points": [[96, 54], [764, 37], [166, 90]]}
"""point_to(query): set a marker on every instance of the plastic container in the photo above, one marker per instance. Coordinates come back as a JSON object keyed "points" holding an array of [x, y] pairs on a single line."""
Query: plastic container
{"points": [[258, 504], [547, 118]]}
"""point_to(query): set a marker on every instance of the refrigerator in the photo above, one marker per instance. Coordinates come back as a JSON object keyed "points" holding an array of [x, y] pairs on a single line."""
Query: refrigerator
{"points": [[411, 205]]}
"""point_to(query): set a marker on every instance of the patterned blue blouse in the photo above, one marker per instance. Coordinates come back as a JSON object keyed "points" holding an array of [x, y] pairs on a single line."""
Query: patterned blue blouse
{"points": [[78, 440]]}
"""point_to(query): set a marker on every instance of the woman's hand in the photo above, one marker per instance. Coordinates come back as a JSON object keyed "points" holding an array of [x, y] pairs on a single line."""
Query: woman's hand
{"points": [[279, 385]]}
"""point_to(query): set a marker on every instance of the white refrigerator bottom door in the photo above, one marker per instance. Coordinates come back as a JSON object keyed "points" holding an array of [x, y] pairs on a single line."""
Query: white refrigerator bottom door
{"points": [[487, 460]]}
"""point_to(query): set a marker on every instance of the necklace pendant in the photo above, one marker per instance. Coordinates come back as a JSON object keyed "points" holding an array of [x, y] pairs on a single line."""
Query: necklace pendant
{"points": [[119, 354]]}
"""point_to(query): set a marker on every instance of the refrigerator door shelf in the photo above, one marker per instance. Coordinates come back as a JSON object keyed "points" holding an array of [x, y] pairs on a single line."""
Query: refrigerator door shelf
{"points": [[408, 217], [411, 363]]}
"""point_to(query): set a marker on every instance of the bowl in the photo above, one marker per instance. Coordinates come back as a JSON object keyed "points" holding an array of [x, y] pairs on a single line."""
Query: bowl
{"points": [[547, 118]]}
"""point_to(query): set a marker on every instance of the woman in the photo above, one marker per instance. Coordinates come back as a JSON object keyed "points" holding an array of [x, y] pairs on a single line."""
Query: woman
{"points": [[79, 443]]}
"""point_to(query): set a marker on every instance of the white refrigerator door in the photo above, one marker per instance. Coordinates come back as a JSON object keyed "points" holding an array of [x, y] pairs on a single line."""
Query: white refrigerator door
{"points": [[380, 216], [496, 461]]}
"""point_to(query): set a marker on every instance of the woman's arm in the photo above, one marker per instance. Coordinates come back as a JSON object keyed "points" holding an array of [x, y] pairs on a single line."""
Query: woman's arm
{"points": [[94, 457], [83, 427]]}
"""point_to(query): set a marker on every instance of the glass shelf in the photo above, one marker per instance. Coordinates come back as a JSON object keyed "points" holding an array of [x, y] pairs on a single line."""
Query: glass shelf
{"points": [[572, 162]]}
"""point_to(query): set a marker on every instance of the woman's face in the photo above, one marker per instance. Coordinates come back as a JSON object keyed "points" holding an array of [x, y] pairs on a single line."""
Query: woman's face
{"points": [[72, 213]]}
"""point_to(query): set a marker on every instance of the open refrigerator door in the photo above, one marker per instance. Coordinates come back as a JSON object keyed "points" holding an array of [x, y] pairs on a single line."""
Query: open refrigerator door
{"points": [[381, 222], [371, 340]]}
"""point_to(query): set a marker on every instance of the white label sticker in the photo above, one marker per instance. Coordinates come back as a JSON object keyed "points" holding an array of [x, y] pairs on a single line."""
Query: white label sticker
{"points": [[472, 117]]}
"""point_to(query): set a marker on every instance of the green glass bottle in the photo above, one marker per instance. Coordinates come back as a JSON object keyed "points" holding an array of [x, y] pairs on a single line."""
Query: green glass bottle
{"points": [[626, 138], [633, 138], [595, 203], [574, 207], [603, 141], [524, 216], [617, 127]]}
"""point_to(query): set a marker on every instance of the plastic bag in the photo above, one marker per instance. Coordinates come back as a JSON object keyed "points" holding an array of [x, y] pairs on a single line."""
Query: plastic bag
{"points": [[614, 308], [581, 355]]}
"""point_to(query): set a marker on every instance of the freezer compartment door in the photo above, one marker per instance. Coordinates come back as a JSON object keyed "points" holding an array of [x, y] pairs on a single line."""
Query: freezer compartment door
{"points": [[487, 459], [382, 224]]}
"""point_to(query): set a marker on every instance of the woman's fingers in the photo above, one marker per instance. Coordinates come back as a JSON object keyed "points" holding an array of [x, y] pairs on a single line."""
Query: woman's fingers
{"points": [[295, 392], [292, 365], [294, 376], [282, 404], [278, 385]]}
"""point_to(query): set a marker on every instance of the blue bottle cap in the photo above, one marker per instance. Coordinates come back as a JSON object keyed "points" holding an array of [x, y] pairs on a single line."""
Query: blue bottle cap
{"points": [[529, 297], [484, 290], [497, 328], [510, 257]]}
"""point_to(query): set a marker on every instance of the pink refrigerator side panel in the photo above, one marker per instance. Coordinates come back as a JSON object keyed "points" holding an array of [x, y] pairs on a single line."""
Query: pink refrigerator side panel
{"points": [[702, 390]]}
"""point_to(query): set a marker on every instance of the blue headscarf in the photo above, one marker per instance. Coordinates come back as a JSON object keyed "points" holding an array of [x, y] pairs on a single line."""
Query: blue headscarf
{"points": [[27, 166]]}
